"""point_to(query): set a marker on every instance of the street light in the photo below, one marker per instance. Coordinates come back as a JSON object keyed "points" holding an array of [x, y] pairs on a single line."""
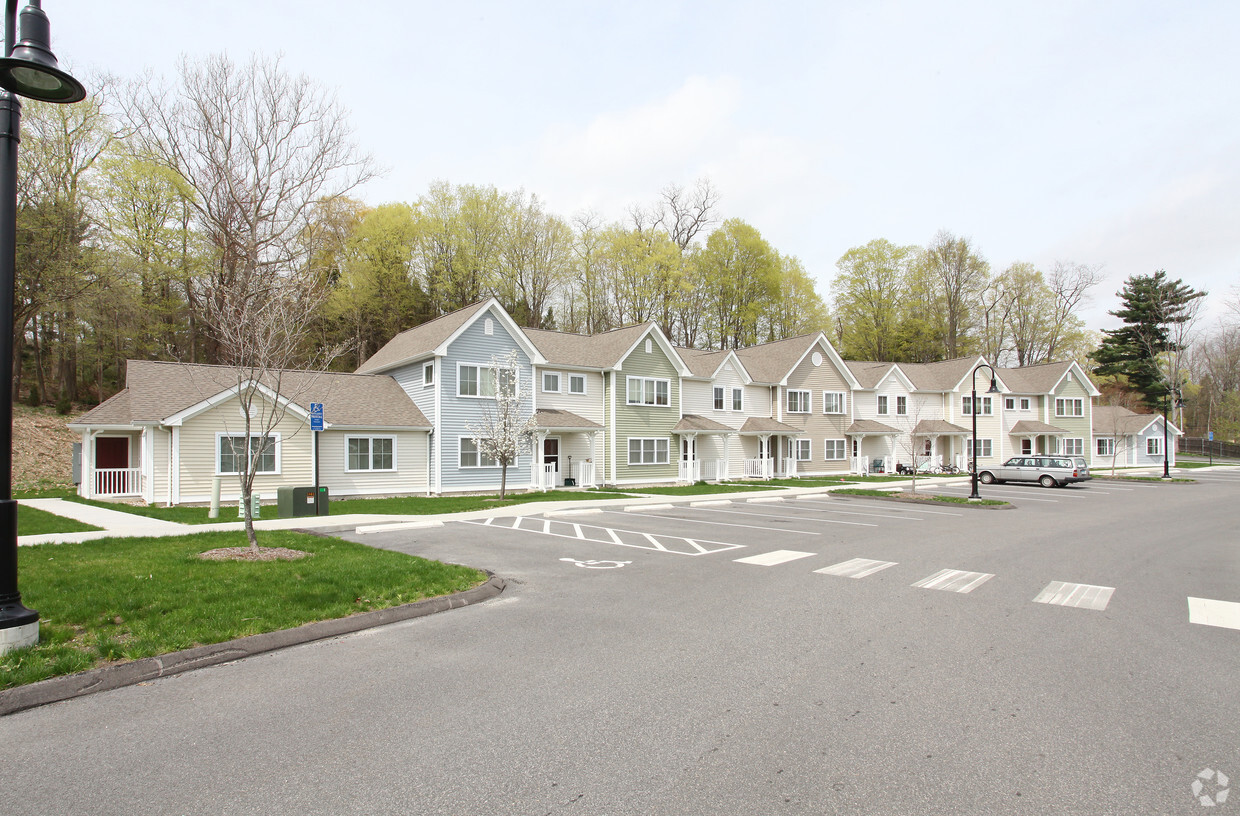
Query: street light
{"points": [[28, 69], [994, 389]]}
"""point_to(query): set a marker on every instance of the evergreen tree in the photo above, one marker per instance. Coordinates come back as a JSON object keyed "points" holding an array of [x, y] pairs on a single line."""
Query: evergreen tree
{"points": [[1152, 306]]}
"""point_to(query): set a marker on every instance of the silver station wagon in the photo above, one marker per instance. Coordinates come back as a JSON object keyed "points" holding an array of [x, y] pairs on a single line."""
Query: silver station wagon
{"points": [[1048, 471]]}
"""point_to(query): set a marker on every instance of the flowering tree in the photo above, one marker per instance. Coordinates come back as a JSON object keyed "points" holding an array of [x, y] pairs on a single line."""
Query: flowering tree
{"points": [[502, 434]]}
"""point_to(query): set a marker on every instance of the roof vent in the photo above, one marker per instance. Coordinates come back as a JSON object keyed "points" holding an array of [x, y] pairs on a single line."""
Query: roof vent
{"points": [[488, 328]]}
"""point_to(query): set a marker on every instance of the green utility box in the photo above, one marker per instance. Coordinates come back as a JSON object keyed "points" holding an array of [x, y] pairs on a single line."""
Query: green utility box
{"points": [[296, 501], [323, 501], [255, 506]]}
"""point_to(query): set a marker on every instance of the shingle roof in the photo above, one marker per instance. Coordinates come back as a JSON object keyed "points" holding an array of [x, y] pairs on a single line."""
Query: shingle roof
{"points": [[870, 426], [868, 374], [1032, 426], [419, 340], [759, 425], [1034, 379], [589, 351], [551, 419], [155, 391], [702, 362], [939, 427], [769, 363], [941, 376], [1112, 420], [693, 422]]}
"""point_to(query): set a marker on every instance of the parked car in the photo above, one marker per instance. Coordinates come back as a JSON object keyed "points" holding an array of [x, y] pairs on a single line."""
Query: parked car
{"points": [[1048, 471], [1082, 465]]}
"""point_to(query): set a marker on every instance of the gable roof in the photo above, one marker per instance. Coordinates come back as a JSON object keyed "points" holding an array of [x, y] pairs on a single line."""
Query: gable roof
{"points": [[1114, 420], [771, 363], [869, 374], [1043, 378], [945, 375], [705, 364], [420, 340], [155, 391]]}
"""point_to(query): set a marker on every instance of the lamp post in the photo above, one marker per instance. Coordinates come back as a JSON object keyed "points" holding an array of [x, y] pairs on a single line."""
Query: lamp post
{"points": [[994, 389], [28, 69]]}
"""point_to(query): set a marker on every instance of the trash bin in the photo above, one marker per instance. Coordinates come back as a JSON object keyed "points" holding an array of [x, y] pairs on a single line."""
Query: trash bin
{"points": [[569, 481], [296, 501], [321, 505]]}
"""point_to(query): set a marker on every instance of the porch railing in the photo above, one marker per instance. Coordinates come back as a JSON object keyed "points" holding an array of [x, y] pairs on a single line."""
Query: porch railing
{"points": [[550, 477], [715, 470], [118, 482], [760, 468], [790, 467], [690, 471], [585, 474]]}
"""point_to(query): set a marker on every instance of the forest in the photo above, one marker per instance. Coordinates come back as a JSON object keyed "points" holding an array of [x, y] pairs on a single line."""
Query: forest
{"points": [[152, 216]]}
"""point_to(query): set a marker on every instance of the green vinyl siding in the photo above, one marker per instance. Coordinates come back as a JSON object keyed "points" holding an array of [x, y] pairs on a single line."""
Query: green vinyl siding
{"points": [[644, 421], [1077, 427]]}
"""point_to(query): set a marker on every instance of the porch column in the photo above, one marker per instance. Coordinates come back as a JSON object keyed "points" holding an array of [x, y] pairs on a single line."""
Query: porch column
{"points": [[861, 462], [537, 470], [764, 453], [595, 463]]}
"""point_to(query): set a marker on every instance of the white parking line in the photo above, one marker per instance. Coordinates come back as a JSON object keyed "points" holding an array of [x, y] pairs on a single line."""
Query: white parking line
{"points": [[785, 516], [1082, 596], [861, 502], [727, 524], [1214, 613], [951, 580], [1008, 493], [774, 557], [856, 568], [677, 545], [901, 516]]}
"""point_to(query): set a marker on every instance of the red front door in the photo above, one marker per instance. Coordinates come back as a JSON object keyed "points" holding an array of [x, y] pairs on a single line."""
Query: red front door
{"points": [[111, 452]]}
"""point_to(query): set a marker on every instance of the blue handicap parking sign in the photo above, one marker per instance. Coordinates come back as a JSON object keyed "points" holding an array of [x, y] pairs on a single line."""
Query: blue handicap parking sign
{"points": [[316, 416]]}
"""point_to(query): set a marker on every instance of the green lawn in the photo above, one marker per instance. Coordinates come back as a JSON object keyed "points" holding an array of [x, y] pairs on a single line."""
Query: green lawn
{"points": [[123, 599], [701, 488], [32, 521]]}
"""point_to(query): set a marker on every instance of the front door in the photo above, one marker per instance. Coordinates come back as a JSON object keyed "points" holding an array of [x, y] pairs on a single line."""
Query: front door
{"points": [[551, 453], [688, 449], [111, 452]]}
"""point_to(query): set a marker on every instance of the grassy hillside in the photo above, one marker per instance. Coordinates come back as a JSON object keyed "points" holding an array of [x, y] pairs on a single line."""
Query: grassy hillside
{"points": [[42, 448]]}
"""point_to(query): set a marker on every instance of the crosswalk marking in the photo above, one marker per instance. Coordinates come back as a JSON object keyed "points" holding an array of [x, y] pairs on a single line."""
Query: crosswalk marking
{"points": [[1214, 613], [1082, 596], [951, 580], [774, 557], [678, 545], [856, 568]]}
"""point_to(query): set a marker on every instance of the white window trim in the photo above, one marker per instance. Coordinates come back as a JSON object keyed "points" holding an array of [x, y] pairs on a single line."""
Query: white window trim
{"points": [[738, 399], [841, 401], [559, 382], [719, 398], [882, 405], [628, 391], [1025, 404], [667, 450], [1009, 403], [1152, 442], [484, 367], [839, 445], [808, 407], [1105, 441], [428, 367], [986, 403], [1080, 442], [1069, 403], [584, 387], [898, 411], [219, 435], [802, 446], [461, 440], [985, 446], [371, 437]]}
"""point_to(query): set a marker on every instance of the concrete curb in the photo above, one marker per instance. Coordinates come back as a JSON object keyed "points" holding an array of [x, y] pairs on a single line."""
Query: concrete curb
{"points": [[56, 689], [930, 502]]}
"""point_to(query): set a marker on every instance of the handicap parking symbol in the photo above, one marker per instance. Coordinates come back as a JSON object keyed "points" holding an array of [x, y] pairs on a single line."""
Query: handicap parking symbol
{"points": [[597, 564]]}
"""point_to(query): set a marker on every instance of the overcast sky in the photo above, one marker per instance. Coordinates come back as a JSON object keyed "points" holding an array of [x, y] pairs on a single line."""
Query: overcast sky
{"points": [[1097, 132]]}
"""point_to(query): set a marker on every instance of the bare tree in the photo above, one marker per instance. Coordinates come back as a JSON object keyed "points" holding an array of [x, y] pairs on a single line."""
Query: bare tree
{"points": [[1069, 284], [504, 432], [961, 272]]}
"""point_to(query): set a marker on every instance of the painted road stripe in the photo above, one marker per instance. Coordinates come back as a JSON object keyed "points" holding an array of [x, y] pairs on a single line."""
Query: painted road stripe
{"points": [[856, 568], [1081, 596], [951, 580], [729, 524], [900, 516], [784, 516], [1214, 613], [774, 557], [856, 500]]}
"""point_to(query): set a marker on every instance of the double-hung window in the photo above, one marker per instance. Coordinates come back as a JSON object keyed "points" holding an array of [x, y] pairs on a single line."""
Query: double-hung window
{"points": [[551, 382], [983, 448], [984, 406], [231, 453], [1074, 447], [1069, 407], [801, 450], [833, 402], [1106, 446], [648, 391], [798, 402], [370, 453], [833, 449], [428, 374], [738, 399], [648, 451], [472, 457], [479, 381], [1153, 446], [576, 383], [718, 397], [901, 406], [882, 405]]}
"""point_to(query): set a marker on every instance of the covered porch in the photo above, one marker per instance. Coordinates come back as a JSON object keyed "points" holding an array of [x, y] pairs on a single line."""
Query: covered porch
{"points": [[939, 443], [705, 449], [1030, 436], [566, 448], [111, 464], [762, 440], [878, 454]]}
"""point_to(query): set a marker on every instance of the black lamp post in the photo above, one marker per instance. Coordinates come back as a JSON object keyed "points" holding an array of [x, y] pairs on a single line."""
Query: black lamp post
{"points": [[994, 389], [28, 69]]}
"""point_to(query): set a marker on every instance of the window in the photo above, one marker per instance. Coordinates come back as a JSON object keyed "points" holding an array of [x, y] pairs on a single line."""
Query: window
{"points": [[648, 391], [428, 375], [983, 448], [833, 449], [648, 451], [1069, 407], [1106, 447], [1009, 403], [1153, 446], [370, 453], [801, 450], [901, 406], [479, 381], [966, 406], [882, 405], [471, 457], [1074, 447], [1026, 446], [1024, 403], [231, 452], [718, 398], [576, 383], [738, 399], [798, 402], [832, 402], [551, 382]]}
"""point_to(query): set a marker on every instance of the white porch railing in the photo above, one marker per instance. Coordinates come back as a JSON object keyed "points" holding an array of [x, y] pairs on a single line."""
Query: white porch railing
{"points": [[689, 471], [585, 474], [550, 476], [118, 482], [790, 467], [715, 470], [761, 468]]}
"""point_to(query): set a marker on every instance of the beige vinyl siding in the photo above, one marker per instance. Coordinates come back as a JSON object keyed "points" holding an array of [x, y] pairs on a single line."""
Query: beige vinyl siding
{"points": [[160, 486], [198, 454], [646, 421], [588, 405], [818, 427], [410, 475]]}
